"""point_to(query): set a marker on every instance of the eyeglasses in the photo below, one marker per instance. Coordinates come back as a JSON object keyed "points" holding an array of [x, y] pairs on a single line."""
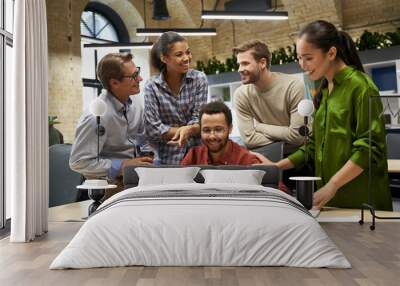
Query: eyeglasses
{"points": [[135, 75], [218, 131]]}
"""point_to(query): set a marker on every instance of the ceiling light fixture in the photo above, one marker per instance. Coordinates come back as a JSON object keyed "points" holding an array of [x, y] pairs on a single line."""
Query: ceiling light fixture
{"points": [[160, 10], [127, 46], [245, 15], [182, 32]]}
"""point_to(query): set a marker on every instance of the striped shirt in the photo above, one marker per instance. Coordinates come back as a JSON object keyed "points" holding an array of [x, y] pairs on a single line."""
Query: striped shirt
{"points": [[163, 110]]}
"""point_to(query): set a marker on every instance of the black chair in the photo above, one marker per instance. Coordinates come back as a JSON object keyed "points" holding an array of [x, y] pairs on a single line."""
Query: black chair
{"points": [[279, 150], [62, 180], [393, 143], [273, 151]]}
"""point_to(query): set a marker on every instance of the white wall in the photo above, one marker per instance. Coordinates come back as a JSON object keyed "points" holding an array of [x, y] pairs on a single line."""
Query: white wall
{"points": [[8, 110]]}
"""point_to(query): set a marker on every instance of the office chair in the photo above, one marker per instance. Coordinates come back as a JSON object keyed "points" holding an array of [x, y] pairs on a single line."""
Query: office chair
{"points": [[62, 180]]}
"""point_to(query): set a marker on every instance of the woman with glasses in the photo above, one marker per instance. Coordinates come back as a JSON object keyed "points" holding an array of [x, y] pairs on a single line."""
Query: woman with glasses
{"points": [[340, 145], [173, 99]]}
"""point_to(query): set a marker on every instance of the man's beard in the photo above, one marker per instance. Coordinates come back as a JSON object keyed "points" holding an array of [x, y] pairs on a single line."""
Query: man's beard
{"points": [[253, 77], [221, 146]]}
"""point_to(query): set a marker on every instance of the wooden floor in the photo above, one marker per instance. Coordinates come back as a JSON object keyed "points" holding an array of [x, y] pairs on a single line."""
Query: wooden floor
{"points": [[374, 255]]}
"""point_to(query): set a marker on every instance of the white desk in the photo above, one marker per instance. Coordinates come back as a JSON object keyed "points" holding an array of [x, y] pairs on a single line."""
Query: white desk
{"points": [[394, 166]]}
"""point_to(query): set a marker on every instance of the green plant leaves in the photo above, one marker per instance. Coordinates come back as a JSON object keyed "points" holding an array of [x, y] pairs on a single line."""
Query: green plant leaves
{"points": [[367, 41], [53, 120], [215, 66]]}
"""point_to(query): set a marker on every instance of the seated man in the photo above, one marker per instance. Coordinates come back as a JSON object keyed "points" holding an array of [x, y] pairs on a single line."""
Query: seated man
{"points": [[217, 149], [266, 102], [123, 122]]}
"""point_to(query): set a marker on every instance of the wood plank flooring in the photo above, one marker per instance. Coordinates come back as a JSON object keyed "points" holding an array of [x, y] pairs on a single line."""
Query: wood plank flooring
{"points": [[374, 255]]}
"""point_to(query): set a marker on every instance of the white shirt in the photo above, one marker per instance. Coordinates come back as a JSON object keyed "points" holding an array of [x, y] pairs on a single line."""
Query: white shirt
{"points": [[122, 133]]}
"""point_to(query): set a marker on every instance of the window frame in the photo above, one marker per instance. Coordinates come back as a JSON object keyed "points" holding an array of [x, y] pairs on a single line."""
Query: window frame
{"points": [[112, 17], [6, 39], [123, 36]]}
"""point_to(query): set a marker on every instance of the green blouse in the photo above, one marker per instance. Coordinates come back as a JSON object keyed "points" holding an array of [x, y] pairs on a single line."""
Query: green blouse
{"points": [[340, 133]]}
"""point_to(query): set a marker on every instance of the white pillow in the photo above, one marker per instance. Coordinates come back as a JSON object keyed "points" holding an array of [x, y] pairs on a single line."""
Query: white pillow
{"points": [[164, 176], [249, 177]]}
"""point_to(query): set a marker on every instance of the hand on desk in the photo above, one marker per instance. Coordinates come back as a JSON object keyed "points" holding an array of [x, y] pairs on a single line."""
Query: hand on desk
{"points": [[324, 195], [136, 161]]}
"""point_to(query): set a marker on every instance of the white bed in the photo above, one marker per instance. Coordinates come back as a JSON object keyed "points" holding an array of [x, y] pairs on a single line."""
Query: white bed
{"points": [[201, 224]]}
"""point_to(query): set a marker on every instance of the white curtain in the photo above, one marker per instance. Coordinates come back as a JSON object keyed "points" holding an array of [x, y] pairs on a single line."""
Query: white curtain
{"points": [[27, 127]]}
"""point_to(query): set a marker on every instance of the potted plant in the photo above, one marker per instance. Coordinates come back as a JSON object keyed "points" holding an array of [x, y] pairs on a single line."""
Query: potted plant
{"points": [[55, 136]]}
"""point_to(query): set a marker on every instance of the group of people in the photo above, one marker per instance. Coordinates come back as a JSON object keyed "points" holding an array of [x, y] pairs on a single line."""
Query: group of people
{"points": [[182, 128]]}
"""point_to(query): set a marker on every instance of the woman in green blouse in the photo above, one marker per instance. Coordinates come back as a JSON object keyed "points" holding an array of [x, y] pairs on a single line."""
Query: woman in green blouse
{"points": [[339, 143]]}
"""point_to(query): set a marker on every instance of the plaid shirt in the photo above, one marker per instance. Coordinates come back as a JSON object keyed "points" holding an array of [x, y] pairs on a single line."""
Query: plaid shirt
{"points": [[163, 110]]}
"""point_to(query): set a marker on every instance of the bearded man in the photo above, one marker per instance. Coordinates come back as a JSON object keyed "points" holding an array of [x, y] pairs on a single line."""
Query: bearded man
{"points": [[217, 148], [266, 102]]}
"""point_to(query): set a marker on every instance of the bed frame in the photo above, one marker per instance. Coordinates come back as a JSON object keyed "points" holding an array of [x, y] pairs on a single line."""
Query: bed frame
{"points": [[270, 179]]}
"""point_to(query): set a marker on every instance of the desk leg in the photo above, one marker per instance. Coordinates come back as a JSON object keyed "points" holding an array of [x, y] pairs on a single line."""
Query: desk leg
{"points": [[374, 216], [96, 196]]}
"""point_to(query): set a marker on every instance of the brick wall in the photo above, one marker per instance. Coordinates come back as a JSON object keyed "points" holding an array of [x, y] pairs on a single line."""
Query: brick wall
{"points": [[372, 15], [65, 84]]}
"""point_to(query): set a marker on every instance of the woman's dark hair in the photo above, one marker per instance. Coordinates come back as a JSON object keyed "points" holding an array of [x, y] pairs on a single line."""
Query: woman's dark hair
{"points": [[162, 47], [216, 107], [324, 35]]}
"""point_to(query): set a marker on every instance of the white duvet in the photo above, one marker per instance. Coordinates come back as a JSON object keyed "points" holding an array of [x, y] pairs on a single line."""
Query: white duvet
{"points": [[207, 230]]}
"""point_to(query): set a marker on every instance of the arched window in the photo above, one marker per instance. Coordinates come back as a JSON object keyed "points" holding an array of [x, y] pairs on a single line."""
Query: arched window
{"points": [[102, 23], [97, 26]]}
